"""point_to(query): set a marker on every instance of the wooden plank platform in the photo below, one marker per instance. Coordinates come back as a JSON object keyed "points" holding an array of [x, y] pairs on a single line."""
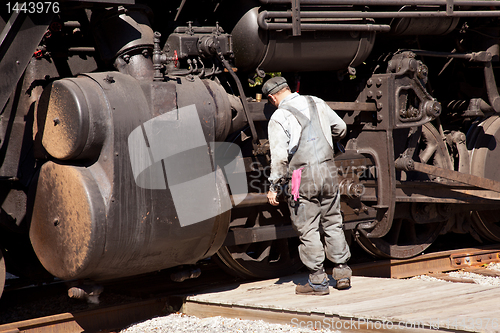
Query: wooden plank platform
{"points": [[379, 304]]}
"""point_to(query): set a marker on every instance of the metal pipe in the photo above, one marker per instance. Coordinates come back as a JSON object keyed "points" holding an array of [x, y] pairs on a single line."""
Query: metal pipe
{"points": [[250, 199], [263, 24], [387, 2], [357, 14], [244, 102], [81, 49], [474, 56], [72, 24], [329, 27]]}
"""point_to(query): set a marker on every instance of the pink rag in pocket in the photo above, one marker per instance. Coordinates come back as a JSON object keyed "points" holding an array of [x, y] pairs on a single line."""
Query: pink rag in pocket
{"points": [[296, 176]]}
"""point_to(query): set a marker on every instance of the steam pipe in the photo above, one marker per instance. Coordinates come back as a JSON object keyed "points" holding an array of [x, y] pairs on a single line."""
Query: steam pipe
{"points": [[244, 103], [261, 19], [358, 14], [386, 2]]}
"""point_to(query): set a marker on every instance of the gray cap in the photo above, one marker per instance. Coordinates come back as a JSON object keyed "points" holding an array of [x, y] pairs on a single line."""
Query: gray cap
{"points": [[273, 85]]}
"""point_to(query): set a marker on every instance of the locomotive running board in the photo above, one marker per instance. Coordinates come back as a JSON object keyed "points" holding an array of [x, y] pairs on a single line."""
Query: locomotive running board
{"points": [[408, 164]]}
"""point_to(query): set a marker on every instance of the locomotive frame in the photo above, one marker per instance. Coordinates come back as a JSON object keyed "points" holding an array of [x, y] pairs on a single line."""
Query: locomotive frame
{"points": [[92, 95]]}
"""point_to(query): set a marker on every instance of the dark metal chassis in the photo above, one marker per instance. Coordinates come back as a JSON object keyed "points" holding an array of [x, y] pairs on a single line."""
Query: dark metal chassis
{"points": [[380, 109]]}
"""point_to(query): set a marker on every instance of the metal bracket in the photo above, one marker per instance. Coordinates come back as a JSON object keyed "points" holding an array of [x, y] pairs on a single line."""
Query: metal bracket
{"points": [[296, 30], [484, 257]]}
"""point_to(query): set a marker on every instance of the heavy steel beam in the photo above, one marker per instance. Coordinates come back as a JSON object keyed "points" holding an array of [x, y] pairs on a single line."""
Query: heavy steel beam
{"points": [[18, 42]]}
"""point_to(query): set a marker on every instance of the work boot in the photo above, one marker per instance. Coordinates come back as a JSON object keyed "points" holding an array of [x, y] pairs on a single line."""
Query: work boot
{"points": [[342, 275], [317, 284]]}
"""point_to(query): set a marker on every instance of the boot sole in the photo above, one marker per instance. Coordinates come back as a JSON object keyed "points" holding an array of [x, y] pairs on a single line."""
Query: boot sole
{"points": [[343, 284], [317, 293]]}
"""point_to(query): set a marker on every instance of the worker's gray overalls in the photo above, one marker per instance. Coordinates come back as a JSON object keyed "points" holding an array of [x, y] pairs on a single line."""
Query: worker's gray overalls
{"points": [[318, 205]]}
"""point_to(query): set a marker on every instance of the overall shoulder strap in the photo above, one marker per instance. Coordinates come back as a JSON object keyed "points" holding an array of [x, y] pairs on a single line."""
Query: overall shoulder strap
{"points": [[297, 114]]}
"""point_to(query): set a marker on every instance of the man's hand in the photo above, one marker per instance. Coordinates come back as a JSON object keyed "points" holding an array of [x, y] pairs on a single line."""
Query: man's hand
{"points": [[272, 196]]}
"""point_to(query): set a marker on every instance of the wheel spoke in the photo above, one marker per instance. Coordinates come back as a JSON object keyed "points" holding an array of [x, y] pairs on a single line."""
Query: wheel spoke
{"points": [[412, 232], [427, 153], [263, 259], [395, 231], [264, 255]]}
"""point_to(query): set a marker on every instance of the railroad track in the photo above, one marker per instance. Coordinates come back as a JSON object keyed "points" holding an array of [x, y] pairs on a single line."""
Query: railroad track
{"points": [[113, 318]]}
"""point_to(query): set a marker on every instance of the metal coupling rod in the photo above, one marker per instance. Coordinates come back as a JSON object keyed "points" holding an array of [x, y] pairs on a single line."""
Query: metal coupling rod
{"points": [[407, 164]]}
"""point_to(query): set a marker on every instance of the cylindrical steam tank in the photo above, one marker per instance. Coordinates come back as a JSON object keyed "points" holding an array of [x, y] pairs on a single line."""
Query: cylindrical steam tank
{"points": [[279, 50], [106, 205]]}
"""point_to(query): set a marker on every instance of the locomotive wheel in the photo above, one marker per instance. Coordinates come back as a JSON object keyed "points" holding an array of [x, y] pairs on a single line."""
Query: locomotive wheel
{"points": [[485, 158], [3, 273], [407, 238], [262, 259]]}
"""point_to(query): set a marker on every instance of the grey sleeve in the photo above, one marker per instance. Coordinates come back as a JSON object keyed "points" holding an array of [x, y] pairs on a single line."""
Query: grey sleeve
{"points": [[278, 144], [339, 127]]}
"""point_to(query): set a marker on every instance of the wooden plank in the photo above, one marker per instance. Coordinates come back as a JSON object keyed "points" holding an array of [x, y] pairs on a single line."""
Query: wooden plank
{"points": [[373, 298], [316, 321], [482, 271]]}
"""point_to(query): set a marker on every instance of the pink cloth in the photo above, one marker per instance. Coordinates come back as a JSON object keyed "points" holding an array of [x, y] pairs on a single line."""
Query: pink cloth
{"points": [[296, 176]]}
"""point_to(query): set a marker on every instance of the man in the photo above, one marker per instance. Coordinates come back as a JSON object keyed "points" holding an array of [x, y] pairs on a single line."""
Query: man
{"points": [[300, 139]]}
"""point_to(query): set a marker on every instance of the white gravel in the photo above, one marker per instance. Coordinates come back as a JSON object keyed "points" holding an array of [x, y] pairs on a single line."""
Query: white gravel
{"points": [[180, 323], [477, 278], [426, 278]]}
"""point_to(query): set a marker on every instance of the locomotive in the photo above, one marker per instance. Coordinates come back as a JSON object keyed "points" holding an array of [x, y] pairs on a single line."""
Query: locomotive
{"points": [[133, 136]]}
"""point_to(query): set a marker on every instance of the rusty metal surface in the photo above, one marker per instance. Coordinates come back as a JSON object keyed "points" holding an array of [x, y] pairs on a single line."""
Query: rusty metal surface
{"points": [[432, 262], [474, 258], [74, 127], [67, 229], [140, 231]]}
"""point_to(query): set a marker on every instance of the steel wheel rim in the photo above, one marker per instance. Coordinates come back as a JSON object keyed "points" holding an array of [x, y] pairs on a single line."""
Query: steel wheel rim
{"points": [[486, 223], [3, 273], [422, 235]]}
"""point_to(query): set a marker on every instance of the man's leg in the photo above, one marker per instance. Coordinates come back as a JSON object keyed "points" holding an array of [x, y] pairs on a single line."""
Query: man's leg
{"points": [[306, 219], [336, 247]]}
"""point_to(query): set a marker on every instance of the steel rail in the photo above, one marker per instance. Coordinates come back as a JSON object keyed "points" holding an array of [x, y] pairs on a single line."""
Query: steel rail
{"points": [[117, 317], [432, 262]]}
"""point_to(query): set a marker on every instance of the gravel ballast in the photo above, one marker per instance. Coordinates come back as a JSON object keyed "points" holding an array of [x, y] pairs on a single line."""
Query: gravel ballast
{"points": [[477, 278], [180, 323]]}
